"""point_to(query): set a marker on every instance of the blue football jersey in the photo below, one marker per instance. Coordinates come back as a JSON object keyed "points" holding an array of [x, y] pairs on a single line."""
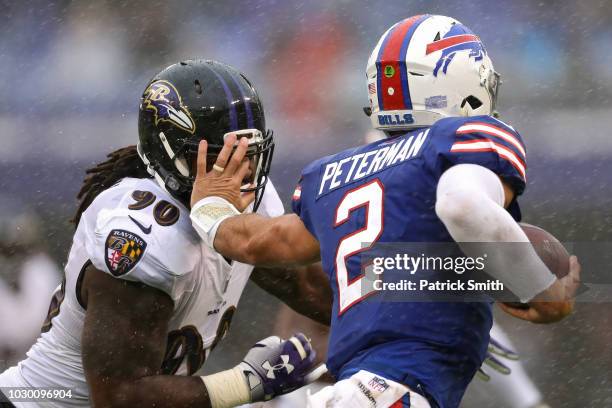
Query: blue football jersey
{"points": [[385, 192]]}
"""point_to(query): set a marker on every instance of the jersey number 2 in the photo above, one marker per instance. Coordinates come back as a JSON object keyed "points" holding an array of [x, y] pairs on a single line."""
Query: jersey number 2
{"points": [[370, 196]]}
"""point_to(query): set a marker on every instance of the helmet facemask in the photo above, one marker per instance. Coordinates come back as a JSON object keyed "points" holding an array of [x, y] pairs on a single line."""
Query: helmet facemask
{"points": [[483, 101], [259, 153], [491, 80]]}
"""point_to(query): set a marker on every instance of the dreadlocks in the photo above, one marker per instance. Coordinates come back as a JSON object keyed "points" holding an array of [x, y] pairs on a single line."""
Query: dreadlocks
{"points": [[121, 163]]}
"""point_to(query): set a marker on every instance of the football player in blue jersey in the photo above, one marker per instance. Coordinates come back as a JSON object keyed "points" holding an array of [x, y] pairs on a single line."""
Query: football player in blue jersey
{"points": [[448, 171]]}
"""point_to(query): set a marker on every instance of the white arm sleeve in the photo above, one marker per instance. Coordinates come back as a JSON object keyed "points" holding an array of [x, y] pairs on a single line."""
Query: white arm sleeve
{"points": [[469, 202]]}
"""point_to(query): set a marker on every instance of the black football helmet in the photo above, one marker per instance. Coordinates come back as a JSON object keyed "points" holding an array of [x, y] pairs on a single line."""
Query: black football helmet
{"points": [[198, 100]]}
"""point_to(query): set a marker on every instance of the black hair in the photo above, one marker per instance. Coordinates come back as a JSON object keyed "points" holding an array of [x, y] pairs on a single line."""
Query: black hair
{"points": [[121, 163]]}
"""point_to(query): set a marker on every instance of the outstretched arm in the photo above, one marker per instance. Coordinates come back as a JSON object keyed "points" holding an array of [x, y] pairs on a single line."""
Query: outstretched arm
{"points": [[262, 241], [216, 206], [124, 342]]}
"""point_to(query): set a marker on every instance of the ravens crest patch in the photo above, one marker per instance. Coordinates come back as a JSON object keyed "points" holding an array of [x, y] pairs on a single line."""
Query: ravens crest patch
{"points": [[123, 251]]}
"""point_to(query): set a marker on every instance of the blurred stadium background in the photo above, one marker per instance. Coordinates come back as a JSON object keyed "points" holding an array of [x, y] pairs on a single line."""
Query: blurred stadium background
{"points": [[71, 74]]}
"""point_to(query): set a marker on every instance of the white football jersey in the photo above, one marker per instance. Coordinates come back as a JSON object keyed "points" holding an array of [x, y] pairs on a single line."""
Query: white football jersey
{"points": [[137, 231]]}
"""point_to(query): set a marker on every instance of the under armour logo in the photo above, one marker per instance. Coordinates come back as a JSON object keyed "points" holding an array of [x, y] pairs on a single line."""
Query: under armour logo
{"points": [[271, 369]]}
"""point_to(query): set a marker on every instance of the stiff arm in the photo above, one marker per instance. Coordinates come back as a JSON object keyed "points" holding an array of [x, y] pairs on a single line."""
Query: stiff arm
{"points": [[216, 207], [285, 241], [263, 241]]}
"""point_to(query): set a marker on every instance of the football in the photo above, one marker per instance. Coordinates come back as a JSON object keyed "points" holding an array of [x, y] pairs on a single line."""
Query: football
{"points": [[550, 250]]}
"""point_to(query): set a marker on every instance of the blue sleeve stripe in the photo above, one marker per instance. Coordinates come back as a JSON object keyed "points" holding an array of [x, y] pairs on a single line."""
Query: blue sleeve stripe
{"points": [[496, 132]]}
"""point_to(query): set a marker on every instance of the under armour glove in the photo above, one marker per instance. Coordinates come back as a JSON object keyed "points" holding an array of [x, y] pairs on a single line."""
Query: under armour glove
{"points": [[272, 367], [496, 349]]}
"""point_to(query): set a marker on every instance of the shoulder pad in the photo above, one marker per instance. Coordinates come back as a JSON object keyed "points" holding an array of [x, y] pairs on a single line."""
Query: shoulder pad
{"points": [[136, 242]]}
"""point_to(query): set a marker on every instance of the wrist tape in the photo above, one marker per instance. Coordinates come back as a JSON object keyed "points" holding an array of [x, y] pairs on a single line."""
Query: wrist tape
{"points": [[207, 214], [227, 389]]}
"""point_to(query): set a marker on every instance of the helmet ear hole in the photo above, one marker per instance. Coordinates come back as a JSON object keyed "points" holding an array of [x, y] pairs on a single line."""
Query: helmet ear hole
{"points": [[472, 106], [473, 101]]}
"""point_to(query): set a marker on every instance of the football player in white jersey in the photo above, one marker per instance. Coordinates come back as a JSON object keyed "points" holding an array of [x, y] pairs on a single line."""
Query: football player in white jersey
{"points": [[144, 301]]}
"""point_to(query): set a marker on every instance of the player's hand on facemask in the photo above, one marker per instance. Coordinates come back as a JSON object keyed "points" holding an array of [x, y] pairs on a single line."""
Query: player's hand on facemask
{"points": [[494, 351], [216, 194], [227, 175]]}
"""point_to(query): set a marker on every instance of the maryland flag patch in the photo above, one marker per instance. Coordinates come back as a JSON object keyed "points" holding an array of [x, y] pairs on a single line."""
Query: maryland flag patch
{"points": [[123, 251]]}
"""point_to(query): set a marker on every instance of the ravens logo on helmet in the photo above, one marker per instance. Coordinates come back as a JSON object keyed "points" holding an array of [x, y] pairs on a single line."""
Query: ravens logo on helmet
{"points": [[198, 100]]}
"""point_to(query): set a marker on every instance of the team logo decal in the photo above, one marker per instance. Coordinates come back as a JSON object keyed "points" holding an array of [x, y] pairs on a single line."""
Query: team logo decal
{"points": [[436, 102], [378, 384], [162, 98], [123, 251], [389, 71], [458, 38], [270, 369]]}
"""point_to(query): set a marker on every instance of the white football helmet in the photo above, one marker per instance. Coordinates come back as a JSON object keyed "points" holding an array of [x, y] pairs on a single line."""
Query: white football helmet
{"points": [[425, 68]]}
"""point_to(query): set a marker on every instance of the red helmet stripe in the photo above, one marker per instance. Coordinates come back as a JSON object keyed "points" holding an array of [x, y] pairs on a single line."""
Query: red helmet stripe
{"points": [[390, 56], [449, 42]]}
